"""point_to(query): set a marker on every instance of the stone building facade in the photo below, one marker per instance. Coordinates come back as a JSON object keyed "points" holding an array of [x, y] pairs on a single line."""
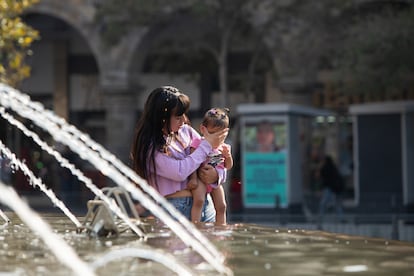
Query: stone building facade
{"points": [[101, 88]]}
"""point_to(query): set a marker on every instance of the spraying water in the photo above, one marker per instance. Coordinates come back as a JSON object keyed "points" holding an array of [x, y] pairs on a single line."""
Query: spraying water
{"points": [[59, 247], [35, 181], [4, 217], [110, 166], [66, 164]]}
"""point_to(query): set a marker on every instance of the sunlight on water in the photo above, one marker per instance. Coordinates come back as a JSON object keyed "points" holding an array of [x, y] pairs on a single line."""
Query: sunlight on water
{"points": [[64, 253], [248, 249]]}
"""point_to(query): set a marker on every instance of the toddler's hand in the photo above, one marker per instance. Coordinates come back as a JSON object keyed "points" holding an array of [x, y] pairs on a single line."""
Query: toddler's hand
{"points": [[226, 151]]}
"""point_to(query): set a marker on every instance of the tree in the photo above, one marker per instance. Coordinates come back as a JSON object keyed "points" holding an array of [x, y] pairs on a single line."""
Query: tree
{"points": [[305, 33], [376, 56], [15, 40], [366, 44]]}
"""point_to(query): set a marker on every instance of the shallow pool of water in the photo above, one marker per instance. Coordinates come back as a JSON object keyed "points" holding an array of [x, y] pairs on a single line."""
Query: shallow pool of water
{"points": [[249, 250]]}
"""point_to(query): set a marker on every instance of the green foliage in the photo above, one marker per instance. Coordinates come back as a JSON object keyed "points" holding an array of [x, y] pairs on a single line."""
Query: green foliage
{"points": [[15, 40], [377, 56]]}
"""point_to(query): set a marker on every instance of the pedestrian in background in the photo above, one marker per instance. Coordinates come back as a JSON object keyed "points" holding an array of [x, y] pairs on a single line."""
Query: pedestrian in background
{"points": [[332, 187]]}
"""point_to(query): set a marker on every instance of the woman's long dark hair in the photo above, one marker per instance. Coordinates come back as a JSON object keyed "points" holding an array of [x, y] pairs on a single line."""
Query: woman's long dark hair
{"points": [[161, 104]]}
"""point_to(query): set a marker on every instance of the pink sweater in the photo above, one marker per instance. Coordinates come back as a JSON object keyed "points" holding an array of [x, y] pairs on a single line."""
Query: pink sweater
{"points": [[174, 169]]}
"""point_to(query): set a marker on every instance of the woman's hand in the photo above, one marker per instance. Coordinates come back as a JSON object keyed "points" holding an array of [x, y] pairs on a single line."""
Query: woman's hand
{"points": [[208, 174], [214, 139], [192, 182]]}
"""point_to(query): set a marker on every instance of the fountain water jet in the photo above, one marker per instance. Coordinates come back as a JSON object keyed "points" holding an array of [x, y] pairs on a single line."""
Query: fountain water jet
{"points": [[35, 181], [81, 143], [110, 166], [60, 248], [3, 216], [76, 172], [68, 256]]}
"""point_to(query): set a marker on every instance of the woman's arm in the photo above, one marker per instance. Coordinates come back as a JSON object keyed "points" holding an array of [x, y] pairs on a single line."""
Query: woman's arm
{"points": [[193, 178], [181, 169]]}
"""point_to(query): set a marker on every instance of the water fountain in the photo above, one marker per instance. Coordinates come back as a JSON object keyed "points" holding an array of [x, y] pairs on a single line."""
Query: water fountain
{"points": [[168, 242], [89, 150], [61, 249]]}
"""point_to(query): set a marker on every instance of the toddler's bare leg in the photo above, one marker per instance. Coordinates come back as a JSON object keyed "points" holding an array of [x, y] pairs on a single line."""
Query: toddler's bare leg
{"points": [[199, 195], [219, 199]]}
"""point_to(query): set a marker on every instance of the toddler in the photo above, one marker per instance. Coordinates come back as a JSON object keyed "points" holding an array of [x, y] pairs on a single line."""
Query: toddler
{"points": [[214, 120]]}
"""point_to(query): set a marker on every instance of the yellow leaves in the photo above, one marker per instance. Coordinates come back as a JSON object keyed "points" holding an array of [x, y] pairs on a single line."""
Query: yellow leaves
{"points": [[16, 7], [15, 29], [26, 41], [16, 61], [25, 71], [15, 39]]}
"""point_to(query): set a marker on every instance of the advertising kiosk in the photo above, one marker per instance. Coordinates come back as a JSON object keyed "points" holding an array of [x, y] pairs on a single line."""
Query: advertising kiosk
{"points": [[272, 153]]}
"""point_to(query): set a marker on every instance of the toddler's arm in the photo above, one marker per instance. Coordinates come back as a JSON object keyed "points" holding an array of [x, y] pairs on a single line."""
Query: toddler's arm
{"points": [[228, 158]]}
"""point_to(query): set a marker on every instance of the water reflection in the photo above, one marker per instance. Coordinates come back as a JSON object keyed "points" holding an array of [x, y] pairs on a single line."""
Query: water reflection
{"points": [[248, 249]]}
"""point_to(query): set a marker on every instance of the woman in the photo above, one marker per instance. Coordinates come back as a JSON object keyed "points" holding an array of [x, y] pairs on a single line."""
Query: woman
{"points": [[161, 150]]}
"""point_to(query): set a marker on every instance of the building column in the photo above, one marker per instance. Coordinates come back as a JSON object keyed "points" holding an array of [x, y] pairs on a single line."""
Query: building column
{"points": [[60, 94], [120, 120]]}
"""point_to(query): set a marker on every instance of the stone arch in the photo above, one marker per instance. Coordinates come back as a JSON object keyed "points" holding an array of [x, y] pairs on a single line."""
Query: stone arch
{"points": [[144, 47], [113, 61], [142, 83], [65, 73], [77, 15], [115, 127]]}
